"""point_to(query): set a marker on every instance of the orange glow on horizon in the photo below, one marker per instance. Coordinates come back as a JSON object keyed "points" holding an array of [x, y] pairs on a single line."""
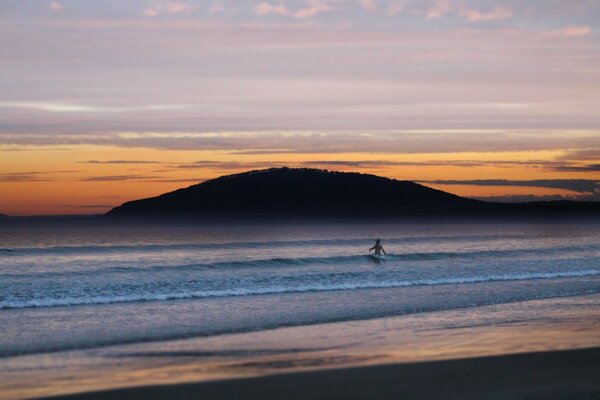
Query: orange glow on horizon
{"points": [[88, 179]]}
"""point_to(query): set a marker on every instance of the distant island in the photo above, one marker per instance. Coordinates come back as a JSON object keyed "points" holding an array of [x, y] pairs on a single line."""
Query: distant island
{"points": [[304, 192]]}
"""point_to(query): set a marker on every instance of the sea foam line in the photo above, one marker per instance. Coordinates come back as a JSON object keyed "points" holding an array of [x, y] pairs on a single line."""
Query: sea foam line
{"points": [[97, 300]]}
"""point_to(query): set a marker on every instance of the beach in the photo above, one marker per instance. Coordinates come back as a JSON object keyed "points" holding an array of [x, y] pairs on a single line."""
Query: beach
{"points": [[550, 375]]}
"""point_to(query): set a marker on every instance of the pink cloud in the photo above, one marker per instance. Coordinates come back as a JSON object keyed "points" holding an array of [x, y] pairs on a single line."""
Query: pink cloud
{"points": [[55, 6], [168, 7], [267, 8], [395, 7], [369, 5], [496, 13], [438, 9], [314, 7], [573, 31]]}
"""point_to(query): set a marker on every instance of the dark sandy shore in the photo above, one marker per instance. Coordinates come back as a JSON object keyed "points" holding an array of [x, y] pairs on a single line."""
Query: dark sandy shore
{"points": [[573, 374]]}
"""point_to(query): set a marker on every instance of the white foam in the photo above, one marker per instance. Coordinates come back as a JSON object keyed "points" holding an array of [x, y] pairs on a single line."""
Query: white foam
{"points": [[316, 287]]}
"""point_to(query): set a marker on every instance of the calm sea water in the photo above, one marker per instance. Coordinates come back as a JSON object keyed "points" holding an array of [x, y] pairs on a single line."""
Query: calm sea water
{"points": [[70, 286]]}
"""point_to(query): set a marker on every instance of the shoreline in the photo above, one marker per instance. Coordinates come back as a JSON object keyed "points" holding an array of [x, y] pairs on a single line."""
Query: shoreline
{"points": [[549, 325], [202, 336], [549, 375]]}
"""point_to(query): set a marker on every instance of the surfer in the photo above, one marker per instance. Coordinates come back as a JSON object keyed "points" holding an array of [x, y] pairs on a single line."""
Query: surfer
{"points": [[378, 248]]}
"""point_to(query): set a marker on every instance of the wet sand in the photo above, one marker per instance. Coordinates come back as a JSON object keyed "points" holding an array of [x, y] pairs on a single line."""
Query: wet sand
{"points": [[573, 374]]}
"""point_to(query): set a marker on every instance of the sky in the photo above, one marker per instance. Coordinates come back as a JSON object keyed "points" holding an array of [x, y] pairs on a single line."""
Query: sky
{"points": [[102, 102]]}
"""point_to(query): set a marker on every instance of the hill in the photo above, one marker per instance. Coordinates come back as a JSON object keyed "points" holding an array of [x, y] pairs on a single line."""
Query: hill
{"points": [[302, 192], [297, 192]]}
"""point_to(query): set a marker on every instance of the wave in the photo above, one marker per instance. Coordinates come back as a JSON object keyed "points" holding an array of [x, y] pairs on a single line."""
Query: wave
{"points": [[353, 259], [282, 262], [281, 289], [59, 250]]}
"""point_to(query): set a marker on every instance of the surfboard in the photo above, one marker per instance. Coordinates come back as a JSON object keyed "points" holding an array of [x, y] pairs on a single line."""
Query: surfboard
{"points": [[377, 256]]}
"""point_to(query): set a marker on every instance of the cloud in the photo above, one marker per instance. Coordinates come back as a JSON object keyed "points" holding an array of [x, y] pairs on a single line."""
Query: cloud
{"points": [[523, 198], [313, 8], [384, 163], [156, 8], [438, 9], [30, 148], [542, 164], [116, 178], [587, 186], [22, 177], [567, 167], [369, 5], [88, 206], [49, 106], [182, 180], [235, 165], [395, 7], [56, 107], [55, 6], [368, 164], [31, 176], [119, 162], [282, 142], [265, 8], [582, 154], [571, 31], [476, 16]]}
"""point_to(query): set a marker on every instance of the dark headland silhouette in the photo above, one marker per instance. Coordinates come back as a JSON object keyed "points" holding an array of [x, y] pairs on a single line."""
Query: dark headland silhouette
{"points": [[303, 192]]}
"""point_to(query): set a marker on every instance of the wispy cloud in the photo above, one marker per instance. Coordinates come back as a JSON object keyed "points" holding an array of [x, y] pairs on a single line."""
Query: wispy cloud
{"points": [[119, 162], [387, 163], [395, 7], [588, 186], [232, 165], [313, 8], [156, 8], [369, 5], [536, 164], [582, 154], [571, 31], [523, 198], [438, 9], [376, 164], [88, 206], [116, 178], [55, 6], [179, 180], [265, 8], [571, 167], [80, 108], [477, 16], [22, 177], [32, 176], [283, 142]]}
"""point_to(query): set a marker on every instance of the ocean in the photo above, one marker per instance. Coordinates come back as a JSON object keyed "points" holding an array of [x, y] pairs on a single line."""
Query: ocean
{"points": [[79, 286]]}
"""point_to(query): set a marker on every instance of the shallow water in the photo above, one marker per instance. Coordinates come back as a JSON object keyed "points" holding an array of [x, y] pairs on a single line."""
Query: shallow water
{"points": [[70, 286]]}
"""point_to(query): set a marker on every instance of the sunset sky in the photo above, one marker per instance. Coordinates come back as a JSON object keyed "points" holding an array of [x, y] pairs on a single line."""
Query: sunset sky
{"points": [[102, 102]]}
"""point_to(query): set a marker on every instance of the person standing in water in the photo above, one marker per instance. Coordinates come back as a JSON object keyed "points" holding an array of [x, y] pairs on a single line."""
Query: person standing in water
{"points": [[378, 248]]}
